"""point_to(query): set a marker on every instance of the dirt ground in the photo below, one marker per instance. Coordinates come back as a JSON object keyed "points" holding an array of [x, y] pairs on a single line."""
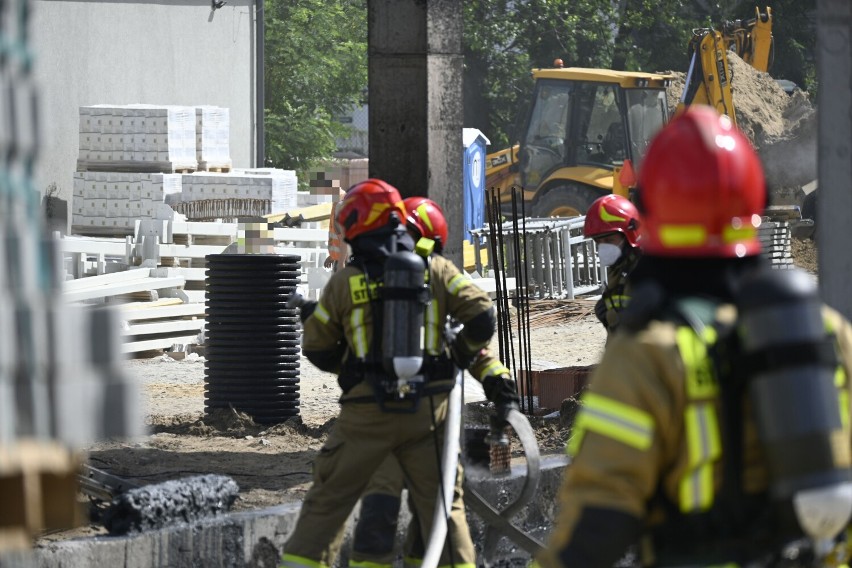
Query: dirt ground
{"points": [[272, 465]]}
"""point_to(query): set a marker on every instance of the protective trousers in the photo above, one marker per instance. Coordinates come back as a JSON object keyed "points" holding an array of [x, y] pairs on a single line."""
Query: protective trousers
{"points": [[361, 440]]}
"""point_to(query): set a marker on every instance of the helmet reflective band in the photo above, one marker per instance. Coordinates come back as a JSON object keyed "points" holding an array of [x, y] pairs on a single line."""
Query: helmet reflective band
{"points": [[702, 189]]}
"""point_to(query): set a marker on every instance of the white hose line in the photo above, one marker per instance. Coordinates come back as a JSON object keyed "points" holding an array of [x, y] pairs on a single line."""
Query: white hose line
{"points": [[449, 470]]}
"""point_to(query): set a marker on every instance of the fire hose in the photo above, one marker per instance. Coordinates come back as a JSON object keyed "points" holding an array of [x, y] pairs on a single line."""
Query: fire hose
{"points": [[498, 522]]}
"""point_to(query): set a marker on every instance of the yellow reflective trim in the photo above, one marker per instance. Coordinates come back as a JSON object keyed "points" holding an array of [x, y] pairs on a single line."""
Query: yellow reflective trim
{"points": [[359, 291], [368, 564], [321, 313], [433, 343], [609, 217], [456, 283], [495, 368], [682, 235], [577, 435], [734, 235], [359, 334], [843, 400], [839, 376], [375, 212], [700, 380], [423, 213], [293, 561], [704, 447], [616, 420]]}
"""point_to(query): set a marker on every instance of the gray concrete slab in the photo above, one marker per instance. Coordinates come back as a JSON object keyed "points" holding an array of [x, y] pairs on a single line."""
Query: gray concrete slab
{"points": [[254, 539]]}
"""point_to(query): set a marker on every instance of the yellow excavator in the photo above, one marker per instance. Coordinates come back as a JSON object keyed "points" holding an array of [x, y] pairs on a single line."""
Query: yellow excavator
{"points": [[587, 129]]}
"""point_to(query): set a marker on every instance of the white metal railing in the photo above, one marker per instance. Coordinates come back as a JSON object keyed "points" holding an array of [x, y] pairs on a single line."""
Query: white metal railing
{"points": [[559, 262]]}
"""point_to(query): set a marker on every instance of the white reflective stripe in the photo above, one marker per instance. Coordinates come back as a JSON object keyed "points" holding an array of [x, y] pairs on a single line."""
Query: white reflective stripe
{"points": [[456, 283], [432, 335], [359, 334], [321, 313]]}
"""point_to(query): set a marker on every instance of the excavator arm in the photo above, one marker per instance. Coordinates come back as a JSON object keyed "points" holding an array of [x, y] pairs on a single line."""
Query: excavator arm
{"points": [[708, 80]]}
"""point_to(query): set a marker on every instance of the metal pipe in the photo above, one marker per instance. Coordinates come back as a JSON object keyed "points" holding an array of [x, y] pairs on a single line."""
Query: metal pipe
{"points": [[260, 85]]}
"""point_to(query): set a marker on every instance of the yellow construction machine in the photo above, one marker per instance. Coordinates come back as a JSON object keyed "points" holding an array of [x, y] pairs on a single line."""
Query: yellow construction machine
{"points": [[587, 129]]}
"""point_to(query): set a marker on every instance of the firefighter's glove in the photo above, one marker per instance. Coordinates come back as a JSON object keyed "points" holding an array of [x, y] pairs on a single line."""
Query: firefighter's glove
{"points": [[463, 355], [306, 309], [502, 392]]}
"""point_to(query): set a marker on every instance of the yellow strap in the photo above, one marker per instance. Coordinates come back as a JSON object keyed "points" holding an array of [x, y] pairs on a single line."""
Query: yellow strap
{"points": [[704, 447], [614, 419], [359, 333], [433, 334], [700, 380]]}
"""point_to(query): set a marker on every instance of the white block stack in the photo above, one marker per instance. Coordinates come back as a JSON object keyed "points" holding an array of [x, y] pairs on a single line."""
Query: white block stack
{"points": [[138, 138], [113, 201], [212, 143]]}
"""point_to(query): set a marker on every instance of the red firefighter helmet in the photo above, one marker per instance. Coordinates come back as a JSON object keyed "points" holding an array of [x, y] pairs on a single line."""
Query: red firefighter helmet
{"points": [[701, 189], [427, 217], [613, 214], [368, 206]]}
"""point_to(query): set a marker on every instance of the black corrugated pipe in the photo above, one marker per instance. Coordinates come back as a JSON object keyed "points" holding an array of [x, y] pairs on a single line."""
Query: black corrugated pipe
{"points": [[260, 159]]}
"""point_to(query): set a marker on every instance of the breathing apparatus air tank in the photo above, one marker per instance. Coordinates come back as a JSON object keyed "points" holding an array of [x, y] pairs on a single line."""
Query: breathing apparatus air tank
{"points": [[404, 296], [794, 398]]}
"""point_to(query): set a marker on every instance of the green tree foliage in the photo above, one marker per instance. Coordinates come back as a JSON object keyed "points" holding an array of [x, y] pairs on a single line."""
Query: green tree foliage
{"points": [[316, 68]]}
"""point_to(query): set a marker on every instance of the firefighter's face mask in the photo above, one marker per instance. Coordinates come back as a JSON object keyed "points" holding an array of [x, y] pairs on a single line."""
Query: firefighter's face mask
{"points": [[608, 253]]}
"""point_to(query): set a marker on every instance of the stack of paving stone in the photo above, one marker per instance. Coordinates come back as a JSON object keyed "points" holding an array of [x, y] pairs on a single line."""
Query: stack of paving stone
{"points": [[776, 242]]}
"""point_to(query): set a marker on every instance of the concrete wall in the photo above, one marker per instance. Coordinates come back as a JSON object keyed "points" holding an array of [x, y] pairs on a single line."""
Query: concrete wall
{"points": [[156, 52]]}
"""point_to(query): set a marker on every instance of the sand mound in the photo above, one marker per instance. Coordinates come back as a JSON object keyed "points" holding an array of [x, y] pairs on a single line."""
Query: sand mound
{"points": [[783, 128]]}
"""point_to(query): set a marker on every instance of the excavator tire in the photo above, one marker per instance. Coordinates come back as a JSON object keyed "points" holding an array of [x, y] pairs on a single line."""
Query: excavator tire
{"points": [[569, 200]]}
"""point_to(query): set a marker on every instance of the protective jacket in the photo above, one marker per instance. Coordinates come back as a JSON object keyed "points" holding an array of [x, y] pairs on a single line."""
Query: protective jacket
{"points": [[616, 296], [343, 324], [649, 455], [341, 336]]}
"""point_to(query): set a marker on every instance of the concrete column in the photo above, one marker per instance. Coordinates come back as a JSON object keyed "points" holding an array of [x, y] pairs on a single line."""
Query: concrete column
{"points": [[834, 204], [415, 98]]}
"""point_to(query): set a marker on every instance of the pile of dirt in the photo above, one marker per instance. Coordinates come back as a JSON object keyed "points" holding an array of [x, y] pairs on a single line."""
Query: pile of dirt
{"points": [[783, 128]]}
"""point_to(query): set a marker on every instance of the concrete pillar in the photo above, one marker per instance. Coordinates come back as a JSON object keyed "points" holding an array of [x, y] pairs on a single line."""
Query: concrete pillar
{"points": [[415, 98], [834, 205]]}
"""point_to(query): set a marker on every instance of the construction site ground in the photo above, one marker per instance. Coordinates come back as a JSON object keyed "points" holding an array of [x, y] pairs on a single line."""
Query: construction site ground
{"points": [[272, 464]]}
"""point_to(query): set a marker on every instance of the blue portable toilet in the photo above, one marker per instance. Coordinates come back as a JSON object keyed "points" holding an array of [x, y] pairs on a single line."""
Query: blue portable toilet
{"points": [[474, 179]]}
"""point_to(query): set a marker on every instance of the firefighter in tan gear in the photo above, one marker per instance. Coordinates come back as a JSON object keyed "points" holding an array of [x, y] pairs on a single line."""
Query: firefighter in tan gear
{"points": [[344, 335], [613, 222], [375, 533], [715, 430]]}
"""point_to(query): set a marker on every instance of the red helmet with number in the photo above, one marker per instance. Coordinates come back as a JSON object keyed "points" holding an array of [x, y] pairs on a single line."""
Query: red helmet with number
{"points": [[427, 217], [613, 214], [701, 189], [367, 207]]}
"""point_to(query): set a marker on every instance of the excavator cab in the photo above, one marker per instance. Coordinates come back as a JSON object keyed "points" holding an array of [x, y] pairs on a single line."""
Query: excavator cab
{"points": [[582, 131]]}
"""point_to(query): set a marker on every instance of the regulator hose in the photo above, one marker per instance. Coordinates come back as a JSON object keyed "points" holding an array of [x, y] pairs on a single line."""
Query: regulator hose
{"points": [[449, 469]]}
